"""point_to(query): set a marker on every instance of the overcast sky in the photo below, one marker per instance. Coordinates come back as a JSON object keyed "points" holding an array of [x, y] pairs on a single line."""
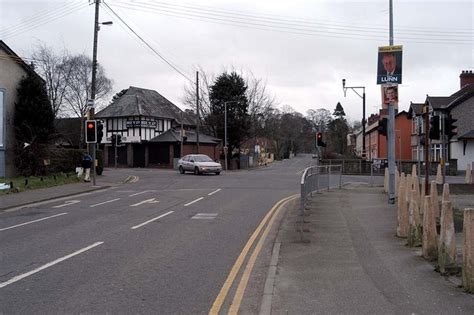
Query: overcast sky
{"points": [[302, 49]]}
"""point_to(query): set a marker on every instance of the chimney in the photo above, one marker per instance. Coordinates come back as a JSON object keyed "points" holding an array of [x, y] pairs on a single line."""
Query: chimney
{"points": [[466, 77]]}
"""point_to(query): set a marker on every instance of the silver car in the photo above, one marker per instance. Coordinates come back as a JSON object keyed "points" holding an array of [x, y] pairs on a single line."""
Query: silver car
{"points": [[198, 163]]}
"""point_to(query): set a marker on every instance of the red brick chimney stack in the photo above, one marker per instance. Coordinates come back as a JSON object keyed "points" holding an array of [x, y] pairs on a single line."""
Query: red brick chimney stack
{"points": [[467, 77]]}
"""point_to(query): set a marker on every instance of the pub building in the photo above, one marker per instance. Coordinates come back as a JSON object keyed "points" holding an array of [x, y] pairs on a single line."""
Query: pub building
{"points": [[150, 130]]}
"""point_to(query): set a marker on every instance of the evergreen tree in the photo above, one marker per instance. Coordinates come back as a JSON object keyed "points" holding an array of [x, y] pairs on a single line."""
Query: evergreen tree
{"points": [[339, 111], [34, 124], [33, 117], [230, 88]]}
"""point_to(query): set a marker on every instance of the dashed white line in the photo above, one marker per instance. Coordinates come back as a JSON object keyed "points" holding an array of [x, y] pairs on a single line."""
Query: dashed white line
{"points": [[205, 216], [67, 203], [149, 221], [152, 200], [103, 203], [212, 193], [140, 193], [42, 219], [190, 203], [57, 261]]}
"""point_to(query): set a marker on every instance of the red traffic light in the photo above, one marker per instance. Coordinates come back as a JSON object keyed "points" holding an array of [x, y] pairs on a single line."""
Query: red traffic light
{"points": [[90, 126], [319, 135]]}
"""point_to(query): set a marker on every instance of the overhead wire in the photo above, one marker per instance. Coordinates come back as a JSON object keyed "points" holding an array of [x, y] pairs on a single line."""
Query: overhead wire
{"points": [[147, 44], [295, 21], [45, 19], [258, 24], [303, 20]]}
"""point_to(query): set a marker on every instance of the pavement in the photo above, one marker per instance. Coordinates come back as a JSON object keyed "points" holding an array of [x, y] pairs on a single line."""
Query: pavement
{"points": [[109, 178], [351, 262]]}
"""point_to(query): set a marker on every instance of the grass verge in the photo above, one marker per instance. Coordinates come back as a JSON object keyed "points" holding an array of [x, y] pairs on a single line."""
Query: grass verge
{"points": [[35, 182]]}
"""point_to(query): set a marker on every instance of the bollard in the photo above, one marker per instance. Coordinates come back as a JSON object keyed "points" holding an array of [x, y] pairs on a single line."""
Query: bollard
{"points": [[445, 192], [468, 251], [447, 240], [409, 187], [429, 242], [413, 170], [468, 178], [439, 175], [416, 196], [434, 198], [397, 179], [422, 198], [414, 232], [402, 214]]}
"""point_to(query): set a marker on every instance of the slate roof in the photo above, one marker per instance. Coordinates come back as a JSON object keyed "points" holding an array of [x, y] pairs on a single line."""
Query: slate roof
{"points": [[416, 109], [173, 135], [439, 102], [467, 135], [461, 95], [149, 103]]}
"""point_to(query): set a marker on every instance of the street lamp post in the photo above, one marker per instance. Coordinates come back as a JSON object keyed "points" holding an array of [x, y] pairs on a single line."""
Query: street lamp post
{"points": [[354, 88], [225, 131]]}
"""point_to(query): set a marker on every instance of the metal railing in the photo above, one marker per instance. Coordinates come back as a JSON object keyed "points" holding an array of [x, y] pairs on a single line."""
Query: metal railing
{"points": [[315, 179]]}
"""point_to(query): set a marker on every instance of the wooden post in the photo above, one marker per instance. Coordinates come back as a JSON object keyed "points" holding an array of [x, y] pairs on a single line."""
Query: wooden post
{"points": [[468, 251], [447, 239], [429, 244]]}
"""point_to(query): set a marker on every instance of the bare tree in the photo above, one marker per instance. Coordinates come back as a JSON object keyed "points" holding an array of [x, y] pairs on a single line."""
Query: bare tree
{"points": [[79, 85], [56, 71]]}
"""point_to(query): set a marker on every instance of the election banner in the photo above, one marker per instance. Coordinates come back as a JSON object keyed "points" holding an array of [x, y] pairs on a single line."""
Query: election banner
{"points": [[389, 68]]}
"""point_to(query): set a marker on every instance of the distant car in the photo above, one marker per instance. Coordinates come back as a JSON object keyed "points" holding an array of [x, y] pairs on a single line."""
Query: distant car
{"points": [[314, 156], [198, 164]]}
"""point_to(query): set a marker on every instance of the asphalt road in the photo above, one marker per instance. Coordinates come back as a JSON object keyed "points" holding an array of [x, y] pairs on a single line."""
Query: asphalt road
{"points": [[164, 244]]}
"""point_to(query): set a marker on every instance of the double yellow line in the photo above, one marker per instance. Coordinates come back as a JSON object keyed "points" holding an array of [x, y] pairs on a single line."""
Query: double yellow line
{"points": [[234, 307]]}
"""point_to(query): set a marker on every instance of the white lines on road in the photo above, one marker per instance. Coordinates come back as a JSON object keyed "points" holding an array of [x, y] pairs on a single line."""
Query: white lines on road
{"points": [[149, 221], [152, 200], [205, 216], [212, 193], [190, 203], [141, 192], [34, 221], [102, 203], [57, 261], [67, 203]]}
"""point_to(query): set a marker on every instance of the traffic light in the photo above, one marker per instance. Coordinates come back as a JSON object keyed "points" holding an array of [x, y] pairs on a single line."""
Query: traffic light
{"points": [[382, 128], [100, 131], [119, 140], [319, 140], [91, 131], [450, 129], [434, 133], [113, 139]]}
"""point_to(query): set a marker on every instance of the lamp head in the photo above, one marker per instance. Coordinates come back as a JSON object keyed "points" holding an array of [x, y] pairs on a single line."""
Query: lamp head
{"points": [[107, 23], [343, 83]]}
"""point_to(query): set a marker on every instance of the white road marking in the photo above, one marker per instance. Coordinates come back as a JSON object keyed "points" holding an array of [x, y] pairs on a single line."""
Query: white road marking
{"points": [[67, 203], [152, 200], [42, 219], [205, 216], [190, 203], [212, 193], [139, 193], [149, 221], [102, 203], [57, 261]]}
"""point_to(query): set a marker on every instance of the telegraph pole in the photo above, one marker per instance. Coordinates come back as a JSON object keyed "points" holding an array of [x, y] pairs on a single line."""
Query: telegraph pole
{"points": [[92, 146], [197, 110], [391, 130]]}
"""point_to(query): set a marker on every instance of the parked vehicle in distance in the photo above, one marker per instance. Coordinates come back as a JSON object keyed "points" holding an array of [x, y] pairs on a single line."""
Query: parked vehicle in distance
{"points": [[198, 164]]}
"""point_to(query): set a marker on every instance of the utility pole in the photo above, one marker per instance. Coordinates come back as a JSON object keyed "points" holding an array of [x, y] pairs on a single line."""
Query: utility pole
{"points": [[92, 146], [391, 129], [181, 133], [197, 110]]}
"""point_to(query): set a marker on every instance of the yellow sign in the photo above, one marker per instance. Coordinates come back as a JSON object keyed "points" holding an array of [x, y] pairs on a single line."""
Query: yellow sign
{"points": [[391, 48]]}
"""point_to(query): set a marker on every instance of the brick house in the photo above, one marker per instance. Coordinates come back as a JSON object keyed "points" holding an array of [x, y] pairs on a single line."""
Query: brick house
{"points": [[376, 144]]}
